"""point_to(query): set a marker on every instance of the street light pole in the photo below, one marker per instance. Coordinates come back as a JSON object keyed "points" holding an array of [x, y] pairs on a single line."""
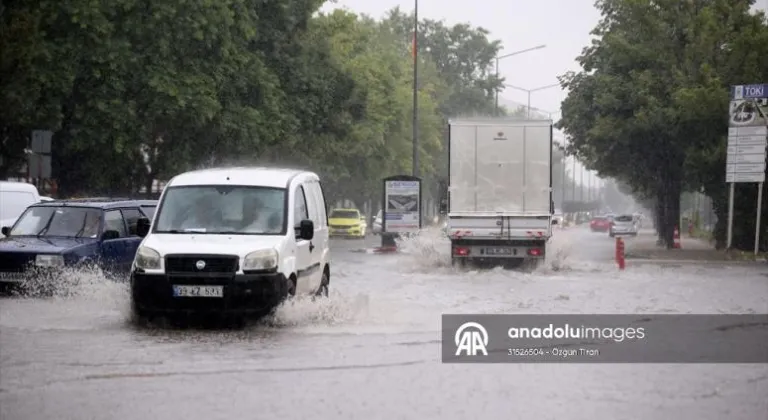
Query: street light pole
{"points": [[501, 57], [530, 91], [416, 88]]}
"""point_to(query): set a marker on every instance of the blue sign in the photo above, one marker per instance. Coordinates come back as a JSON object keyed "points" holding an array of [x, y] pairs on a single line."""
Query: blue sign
{"points": [[749, 92]]}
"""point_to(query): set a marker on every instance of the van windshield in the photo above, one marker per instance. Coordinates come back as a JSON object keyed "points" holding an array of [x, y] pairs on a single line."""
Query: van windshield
{"points": [[222, 209]]}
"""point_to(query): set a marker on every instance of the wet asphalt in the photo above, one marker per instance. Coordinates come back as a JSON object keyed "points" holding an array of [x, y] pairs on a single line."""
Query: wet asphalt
{"points": [[371, 350]]}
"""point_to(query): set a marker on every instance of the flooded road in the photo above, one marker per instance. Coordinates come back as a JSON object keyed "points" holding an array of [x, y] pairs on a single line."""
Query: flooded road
{"points": [[371, 351]]}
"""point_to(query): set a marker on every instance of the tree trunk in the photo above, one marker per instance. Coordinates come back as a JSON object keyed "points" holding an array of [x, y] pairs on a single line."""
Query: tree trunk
{"points": [[660, 218]]}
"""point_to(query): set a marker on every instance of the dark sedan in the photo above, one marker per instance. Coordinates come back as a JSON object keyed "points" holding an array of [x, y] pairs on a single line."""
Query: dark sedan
{"points": [[51, 236]]}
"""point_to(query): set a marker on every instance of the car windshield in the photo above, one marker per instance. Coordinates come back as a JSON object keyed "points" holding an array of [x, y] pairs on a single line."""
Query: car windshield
{"points": [[345, 214], [599, 219], [624, 218], [61, 221], [222, 209]]}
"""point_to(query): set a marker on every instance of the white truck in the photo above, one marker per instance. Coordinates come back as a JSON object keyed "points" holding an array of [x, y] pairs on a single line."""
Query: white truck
{"points": [[499, 200]]}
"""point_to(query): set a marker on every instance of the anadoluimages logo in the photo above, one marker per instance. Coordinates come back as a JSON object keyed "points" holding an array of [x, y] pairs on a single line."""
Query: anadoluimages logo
{"points": [[471, 338]]}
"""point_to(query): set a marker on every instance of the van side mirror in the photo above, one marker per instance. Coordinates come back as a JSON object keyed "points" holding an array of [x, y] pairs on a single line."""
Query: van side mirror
{"points": [[443, 206], [554, 221], [108, 235], [142, 227], [5, 230], [306, 230]]}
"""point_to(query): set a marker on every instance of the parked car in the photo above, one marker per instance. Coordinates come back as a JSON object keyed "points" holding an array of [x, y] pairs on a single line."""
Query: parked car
{"points": [[624, 224], [348, 223], [232, 241], [53, 235], [377, 223], [15, 197], [600, 224]]}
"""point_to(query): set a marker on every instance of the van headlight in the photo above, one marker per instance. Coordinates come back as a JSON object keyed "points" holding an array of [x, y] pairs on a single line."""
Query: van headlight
{"points": [[49, 260], [147, 259], [264, 259]]}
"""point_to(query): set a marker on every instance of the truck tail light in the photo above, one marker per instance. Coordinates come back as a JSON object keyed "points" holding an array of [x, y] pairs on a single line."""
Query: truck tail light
{"points": [[461, 251], [534, 252]]}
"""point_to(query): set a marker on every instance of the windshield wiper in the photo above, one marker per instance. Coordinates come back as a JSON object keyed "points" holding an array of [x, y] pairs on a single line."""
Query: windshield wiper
{"points": [[174, 231], [47, 225], [82, 228]]}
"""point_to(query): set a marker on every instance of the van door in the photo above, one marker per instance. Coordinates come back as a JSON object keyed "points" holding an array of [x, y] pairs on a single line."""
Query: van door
{"points": [[306, 270], [318, 216]]}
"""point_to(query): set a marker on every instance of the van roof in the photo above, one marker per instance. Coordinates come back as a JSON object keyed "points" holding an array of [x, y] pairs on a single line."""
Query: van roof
{"points": [[17, 186], [255, 176]]}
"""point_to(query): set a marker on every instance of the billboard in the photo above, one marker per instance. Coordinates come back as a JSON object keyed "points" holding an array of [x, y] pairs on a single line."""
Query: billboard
{"points": [[402, 204]]}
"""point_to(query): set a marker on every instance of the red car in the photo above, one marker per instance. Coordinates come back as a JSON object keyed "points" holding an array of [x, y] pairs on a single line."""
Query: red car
{"points": [[600, 224]]}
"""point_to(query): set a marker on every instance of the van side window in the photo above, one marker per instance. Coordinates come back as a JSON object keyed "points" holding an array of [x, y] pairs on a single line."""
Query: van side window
{"points": [[314, 205], [300, 206], [322, 207]]}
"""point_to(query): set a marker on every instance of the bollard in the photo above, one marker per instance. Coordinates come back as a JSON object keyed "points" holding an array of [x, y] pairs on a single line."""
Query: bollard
{"points": [[620, 253]]}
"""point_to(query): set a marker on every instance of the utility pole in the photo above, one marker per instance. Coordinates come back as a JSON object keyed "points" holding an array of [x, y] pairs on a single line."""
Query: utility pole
{"points": [[416, 88], [501, 57]]}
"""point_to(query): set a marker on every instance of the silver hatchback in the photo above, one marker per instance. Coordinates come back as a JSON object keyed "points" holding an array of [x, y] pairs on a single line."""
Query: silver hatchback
{"points": [[624, 224]]}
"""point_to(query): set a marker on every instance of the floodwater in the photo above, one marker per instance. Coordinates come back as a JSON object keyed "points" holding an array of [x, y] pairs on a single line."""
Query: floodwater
{"points": [[371, 350]]}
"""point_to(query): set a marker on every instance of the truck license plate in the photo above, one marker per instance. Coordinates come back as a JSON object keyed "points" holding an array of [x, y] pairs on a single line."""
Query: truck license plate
{"points": [[498, 251], [198, 291]]}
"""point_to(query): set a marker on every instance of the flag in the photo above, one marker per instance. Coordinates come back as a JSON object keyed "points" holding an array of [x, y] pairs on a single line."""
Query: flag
{"points": [[413, 46]]}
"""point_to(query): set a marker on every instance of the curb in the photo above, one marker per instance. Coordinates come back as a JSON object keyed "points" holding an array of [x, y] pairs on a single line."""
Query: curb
{"points": [[647, 261]]}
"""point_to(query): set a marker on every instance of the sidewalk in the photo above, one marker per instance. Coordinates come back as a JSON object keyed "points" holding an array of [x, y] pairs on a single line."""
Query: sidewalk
{"points": [[643, 247]]}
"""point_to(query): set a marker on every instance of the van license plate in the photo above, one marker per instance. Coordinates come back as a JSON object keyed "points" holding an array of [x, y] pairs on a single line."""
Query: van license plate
{"points": [[498, 251], [198, 291]]}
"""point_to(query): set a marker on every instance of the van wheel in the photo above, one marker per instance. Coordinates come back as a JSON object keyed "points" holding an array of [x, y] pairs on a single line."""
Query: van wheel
{"points": [[325, 283], [290, 287]]}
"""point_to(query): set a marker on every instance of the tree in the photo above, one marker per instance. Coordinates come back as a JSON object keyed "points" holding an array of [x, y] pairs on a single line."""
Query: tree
{"points": [[649, 97]]}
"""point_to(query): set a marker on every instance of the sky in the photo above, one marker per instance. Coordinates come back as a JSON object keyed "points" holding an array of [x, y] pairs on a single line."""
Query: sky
{"points": [[564, 26]]}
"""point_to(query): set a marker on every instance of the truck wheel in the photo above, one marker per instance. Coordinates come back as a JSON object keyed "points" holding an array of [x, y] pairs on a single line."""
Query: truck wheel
{"points": [[460, 262]]}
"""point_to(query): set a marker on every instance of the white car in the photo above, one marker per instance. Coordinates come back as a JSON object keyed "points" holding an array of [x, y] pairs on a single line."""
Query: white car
{"points": [[15, 197], [624, 224], [232, 240], [377, 224]]}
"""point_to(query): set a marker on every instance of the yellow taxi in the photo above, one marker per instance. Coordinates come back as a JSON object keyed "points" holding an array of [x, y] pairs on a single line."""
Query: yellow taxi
{"points": [[347, 223]]}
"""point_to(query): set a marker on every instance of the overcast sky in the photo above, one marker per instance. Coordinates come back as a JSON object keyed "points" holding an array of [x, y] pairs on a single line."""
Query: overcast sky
{"points": [[563, 25]]}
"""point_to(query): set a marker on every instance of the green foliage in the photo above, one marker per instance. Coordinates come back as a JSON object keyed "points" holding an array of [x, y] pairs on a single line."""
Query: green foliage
{"points": [[139, 90], [649, 107]]}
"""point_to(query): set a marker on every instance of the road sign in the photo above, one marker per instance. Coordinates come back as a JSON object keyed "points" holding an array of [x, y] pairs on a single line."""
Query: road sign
{"points": [[747, 137], [41, 141], [747, 150], [745, 167], [747, 131], [39, 166], [745, 158], [732, 177], [749, 91]]}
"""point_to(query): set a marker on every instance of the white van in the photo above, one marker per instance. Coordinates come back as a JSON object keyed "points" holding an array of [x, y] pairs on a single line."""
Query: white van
{"points": [[232, 240], [15, 197]]}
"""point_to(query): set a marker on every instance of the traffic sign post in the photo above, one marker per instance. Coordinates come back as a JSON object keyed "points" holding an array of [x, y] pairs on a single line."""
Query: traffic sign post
{"points": [[747, 141]]}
